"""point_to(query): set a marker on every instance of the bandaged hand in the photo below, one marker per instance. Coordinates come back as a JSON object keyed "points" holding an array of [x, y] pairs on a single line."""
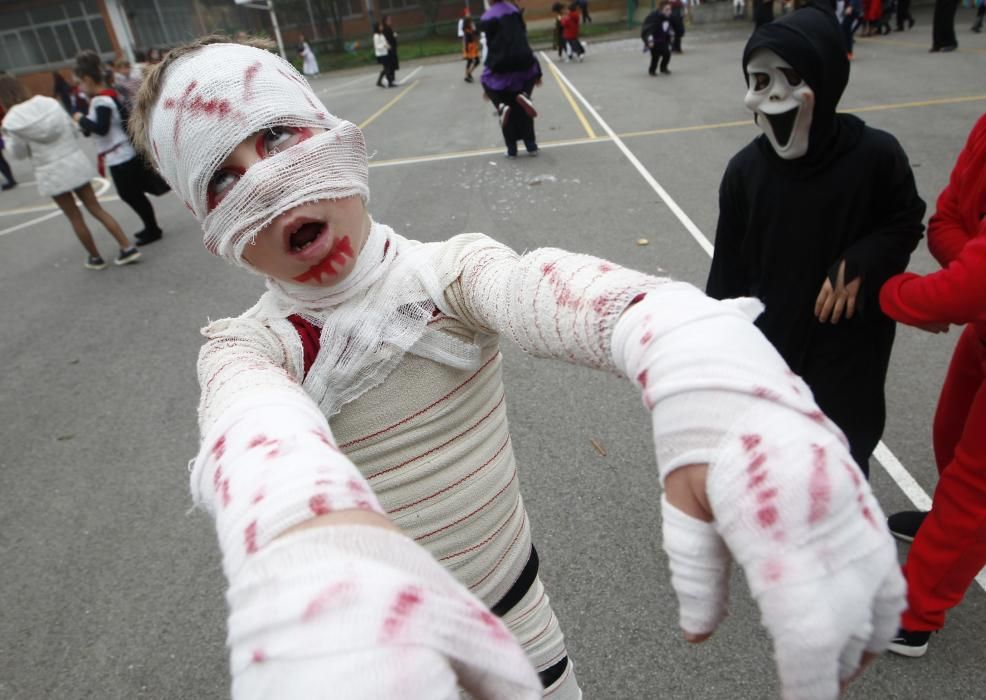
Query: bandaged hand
{"points": [[788, 503], [344, 610]]}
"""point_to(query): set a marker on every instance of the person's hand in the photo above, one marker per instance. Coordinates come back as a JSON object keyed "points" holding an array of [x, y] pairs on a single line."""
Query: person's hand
{"points": [[77, 116], [933, 327], [832, 302], [755, 473]]}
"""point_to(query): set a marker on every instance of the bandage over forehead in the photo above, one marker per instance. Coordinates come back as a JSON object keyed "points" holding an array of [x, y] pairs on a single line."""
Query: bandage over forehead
{"points": [[217, 96]]}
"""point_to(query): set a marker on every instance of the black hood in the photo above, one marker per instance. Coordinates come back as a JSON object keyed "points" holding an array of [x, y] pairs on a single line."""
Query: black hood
{"points": [[811, 40]]}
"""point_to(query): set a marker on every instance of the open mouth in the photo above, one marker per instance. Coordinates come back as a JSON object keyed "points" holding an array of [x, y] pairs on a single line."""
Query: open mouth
{"points": [[304, 235], [328, 266], [782, 125]]}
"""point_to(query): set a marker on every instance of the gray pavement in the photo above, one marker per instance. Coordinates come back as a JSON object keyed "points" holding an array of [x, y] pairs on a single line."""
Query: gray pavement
{"points": [[111, 588]]}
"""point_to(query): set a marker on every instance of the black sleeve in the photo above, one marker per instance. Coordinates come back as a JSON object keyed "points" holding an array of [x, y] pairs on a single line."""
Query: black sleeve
{"points": [[104, 115], [886, 250], [727, 276]]}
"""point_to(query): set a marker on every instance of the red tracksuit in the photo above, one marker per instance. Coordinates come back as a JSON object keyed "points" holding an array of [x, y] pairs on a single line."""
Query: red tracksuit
{"points": [[950, 547]]}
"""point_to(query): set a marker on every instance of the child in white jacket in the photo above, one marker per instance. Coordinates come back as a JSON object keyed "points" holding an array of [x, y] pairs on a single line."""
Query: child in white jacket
{"points": [[38, 128]]}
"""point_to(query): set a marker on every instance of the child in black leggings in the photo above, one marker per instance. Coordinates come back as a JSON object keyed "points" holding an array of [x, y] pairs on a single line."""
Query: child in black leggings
{"points": [[105, 123]]}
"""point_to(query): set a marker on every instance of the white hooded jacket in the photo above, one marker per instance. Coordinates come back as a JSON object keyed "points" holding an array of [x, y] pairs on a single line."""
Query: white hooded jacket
{"points": [[41, 130]]}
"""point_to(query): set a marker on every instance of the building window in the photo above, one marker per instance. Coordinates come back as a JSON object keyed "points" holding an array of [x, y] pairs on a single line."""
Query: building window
{"points": [[50, 36]]}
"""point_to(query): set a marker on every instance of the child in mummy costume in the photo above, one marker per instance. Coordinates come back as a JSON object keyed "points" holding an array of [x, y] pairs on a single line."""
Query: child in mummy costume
{"points": [[355, 450]]}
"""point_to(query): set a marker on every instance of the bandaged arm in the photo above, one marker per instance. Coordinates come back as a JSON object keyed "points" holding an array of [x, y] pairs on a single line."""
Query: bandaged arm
{"points": [[788, 503], [550, 302], [324, 596]]}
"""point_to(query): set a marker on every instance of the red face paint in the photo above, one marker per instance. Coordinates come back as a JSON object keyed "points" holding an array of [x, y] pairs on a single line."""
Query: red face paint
{"points": [[337, 255]]}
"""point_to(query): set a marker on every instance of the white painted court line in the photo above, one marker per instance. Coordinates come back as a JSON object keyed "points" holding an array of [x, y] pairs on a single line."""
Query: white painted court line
{"points": [[661, 192], [360, 79], [103, 185], [409, 76], [883, 455]]}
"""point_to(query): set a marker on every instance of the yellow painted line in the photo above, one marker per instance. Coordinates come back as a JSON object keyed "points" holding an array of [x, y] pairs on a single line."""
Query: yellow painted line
{"points": [[571, 101], [898, 42], [658, 132], [390, 104], [480, 152], [682, 129], [924, 103]]}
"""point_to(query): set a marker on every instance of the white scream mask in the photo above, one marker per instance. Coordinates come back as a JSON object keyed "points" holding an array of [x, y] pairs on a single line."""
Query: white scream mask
{"points": [[781, 102], [217, 96]]}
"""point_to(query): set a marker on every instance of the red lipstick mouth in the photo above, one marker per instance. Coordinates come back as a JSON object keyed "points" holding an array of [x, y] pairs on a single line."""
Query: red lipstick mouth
{"points": [[328, 267]]}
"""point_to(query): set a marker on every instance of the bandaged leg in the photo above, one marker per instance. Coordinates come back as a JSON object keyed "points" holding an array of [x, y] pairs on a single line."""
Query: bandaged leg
{"points": [[533, 623]]}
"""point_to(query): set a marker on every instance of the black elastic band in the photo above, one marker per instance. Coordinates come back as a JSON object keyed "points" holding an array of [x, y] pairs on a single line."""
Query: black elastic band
{"points": [[521, 586], [553, 672]]}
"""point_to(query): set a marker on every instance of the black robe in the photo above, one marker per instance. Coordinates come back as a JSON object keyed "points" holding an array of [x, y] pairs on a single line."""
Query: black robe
{"points": [[784, 225]]}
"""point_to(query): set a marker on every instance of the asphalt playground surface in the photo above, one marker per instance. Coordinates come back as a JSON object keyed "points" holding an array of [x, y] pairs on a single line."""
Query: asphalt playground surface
{"points": [[111, 588]]}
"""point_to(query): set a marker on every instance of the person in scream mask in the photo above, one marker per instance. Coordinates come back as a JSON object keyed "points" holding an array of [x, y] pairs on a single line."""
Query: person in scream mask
{"points": [[354, 429], [815, 214]]}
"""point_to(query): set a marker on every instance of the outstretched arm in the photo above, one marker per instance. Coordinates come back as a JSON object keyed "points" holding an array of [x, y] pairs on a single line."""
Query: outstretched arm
{"points": [[755, 473], [550, 302], [323, 590]]}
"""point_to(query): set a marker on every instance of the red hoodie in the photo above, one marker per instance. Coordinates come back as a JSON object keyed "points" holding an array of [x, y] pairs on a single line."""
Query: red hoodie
{"points": [[570, 25], [957, 238]]}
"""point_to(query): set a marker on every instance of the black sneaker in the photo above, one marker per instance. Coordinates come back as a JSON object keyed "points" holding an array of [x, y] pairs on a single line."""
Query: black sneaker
{"points": [[912, 644], [145, 237], [95, 262], [524, 102], [9, 185], [130, 255], [904, 525], [532, 148]]}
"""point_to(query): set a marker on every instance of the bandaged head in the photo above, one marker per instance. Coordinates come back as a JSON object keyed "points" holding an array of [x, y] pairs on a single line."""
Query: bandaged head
{"points": [[781, 102], [215, 97]]}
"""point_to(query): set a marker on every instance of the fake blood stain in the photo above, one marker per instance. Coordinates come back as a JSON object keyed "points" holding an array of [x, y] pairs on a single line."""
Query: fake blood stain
{"points": [[326, 267]]}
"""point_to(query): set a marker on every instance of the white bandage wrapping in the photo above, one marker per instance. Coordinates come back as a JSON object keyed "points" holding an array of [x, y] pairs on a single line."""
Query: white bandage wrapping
{"points": [[267, 465], [363, 613], [552, 303], [216, 96], [700, 567], [788, 501]]}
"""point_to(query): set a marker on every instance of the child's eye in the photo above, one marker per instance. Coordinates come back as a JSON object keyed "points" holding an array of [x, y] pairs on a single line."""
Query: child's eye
{"points": [[219, 185], [760, 81], [277, 137], [793, 79]]}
